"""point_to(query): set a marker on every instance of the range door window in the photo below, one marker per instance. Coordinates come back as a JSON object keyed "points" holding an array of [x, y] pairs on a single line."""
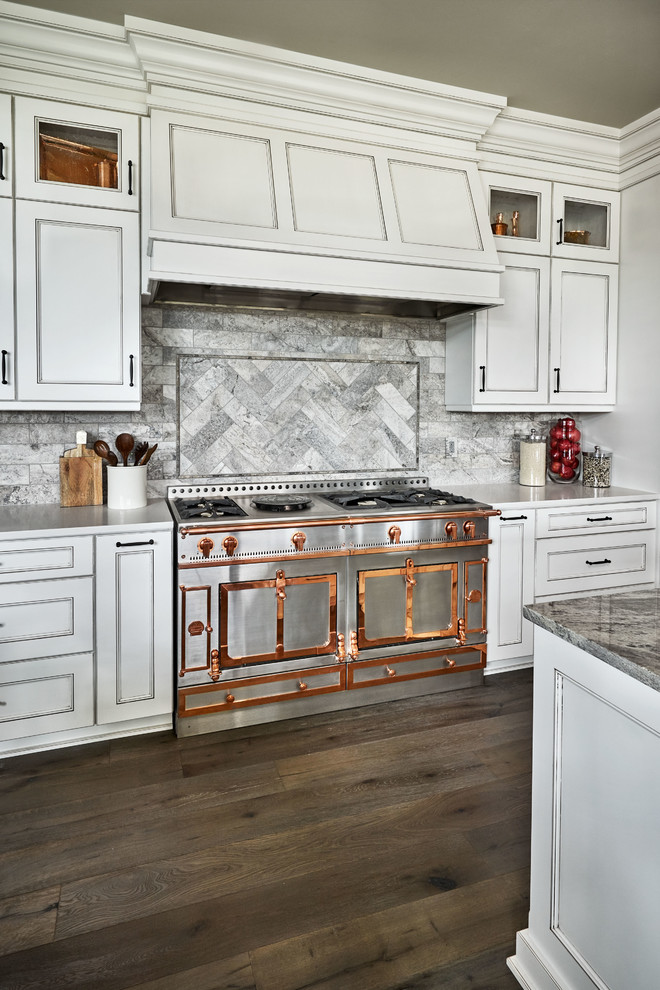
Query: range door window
{"points": [[279, 618], [408, 603]]}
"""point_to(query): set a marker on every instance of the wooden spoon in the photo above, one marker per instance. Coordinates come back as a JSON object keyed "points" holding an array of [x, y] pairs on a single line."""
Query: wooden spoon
{"points": [[124, 444], [101, 448]]}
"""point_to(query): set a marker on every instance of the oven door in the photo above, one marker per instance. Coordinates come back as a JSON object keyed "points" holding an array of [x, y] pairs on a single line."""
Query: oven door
{"points": [[260, 613], [403, 599]]}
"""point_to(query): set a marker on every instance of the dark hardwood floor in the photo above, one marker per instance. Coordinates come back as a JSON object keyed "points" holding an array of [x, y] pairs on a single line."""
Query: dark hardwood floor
{"points": [[382, 849]]}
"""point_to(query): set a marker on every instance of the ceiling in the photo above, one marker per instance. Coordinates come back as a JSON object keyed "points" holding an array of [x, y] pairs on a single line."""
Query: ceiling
{"points": [[590, 60]]}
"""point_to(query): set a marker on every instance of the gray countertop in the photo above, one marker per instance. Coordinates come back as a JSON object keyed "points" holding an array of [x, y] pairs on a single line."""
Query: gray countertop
{"points": [[547, 495], [623, 629], [19, 521]]}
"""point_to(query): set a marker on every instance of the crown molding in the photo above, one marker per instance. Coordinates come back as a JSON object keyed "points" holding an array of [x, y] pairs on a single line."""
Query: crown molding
{"points": [[43, 53], [529, 143], [640, 149], [200, 67]]}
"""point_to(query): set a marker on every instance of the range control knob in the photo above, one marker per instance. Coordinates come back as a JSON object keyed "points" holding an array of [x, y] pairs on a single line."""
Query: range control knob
{"points": [[205, 546], [299, 539], [469, 528], [230, 543], [394, 533], [451, 529]]}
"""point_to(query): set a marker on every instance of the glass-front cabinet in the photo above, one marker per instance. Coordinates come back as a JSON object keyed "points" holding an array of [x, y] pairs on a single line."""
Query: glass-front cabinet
{"points": [[586, 223], [520, 212], [81, 155], [531, 216]]}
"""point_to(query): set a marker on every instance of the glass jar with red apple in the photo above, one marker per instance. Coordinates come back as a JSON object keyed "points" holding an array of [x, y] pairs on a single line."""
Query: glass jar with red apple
{"points": [[565, 451]]}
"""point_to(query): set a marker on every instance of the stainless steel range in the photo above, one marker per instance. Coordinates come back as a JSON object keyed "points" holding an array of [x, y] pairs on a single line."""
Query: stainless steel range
{"points": [[306, 596]]}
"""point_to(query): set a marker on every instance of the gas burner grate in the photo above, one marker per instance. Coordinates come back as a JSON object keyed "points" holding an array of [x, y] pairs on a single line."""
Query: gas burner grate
{"points": [[207, 508], [391, 498]]}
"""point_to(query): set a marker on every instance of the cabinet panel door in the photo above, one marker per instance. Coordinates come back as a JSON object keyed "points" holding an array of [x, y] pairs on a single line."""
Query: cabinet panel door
{"points": [[531, 199], [510, 586], [69, 154], [583, 332], [7, 356], [78, 304], [46, 618], [6, 145], [47, 695], [134, 625], [511, 344]]}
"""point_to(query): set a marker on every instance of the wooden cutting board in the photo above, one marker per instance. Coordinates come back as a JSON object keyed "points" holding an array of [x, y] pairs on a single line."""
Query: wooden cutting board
{"points": [[81, 477]]}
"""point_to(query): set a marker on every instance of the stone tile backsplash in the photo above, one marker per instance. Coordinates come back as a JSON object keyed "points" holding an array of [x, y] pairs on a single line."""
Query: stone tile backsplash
{"points": [[399, 419]]}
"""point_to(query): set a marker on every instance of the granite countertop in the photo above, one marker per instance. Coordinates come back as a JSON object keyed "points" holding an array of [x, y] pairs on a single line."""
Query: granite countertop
{"points": [[548, 495], [18, 521], [622, 629]]}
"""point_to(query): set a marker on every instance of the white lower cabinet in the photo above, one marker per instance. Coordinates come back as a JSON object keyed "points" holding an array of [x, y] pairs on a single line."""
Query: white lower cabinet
{"points": [[133, 625], [567, 550], [510, 586], [85, 637], [48, 695]]}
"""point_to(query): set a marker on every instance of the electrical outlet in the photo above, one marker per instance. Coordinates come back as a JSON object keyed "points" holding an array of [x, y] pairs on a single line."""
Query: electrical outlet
{"points": [[450, 448]]}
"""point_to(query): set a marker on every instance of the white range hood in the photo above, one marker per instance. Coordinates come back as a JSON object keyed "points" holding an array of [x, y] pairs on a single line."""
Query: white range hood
{"points": [[285, 175]]}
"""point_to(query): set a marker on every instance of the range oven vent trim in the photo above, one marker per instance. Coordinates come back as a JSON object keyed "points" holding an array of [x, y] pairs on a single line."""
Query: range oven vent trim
{"points": [[292, 485]]}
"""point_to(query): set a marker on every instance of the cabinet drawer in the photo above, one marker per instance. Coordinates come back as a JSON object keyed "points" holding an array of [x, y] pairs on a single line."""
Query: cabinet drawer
{"points": [[367, 673], [601, 517], [46, 695], [50, 557], [46, 618], [250, 691], [581, 563]]}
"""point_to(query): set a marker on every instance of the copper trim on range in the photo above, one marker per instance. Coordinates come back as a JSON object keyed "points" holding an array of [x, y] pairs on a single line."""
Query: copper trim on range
{"points": [[475, 592], [227, 701], [193, 628], [279, 585], [409, 574], [448, 662]]}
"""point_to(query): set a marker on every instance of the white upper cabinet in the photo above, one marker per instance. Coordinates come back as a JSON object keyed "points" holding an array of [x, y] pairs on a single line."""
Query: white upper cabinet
{"points": [[586, 223], [7, 362], [5, 145], [77, 306], [583, 325], [226, 181], [552, 218], [72, 154], [531, 200], [552, 345]]}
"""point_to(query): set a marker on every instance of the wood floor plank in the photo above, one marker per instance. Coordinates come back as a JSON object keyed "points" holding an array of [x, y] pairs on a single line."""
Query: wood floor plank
{"points": [[216, 871], [18, 792], [383, 951], [234, 973], [28, 920], [164, 800], [427, 752]]}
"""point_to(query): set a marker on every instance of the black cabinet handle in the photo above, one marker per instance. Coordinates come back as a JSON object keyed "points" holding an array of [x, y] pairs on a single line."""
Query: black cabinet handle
{"points": [[593, 562], [142, 543], [561, 230], [482, 370], [556, 371], [130, 177], [2, 161], [599, 518], [511, 518], [131, 359], [4, 367]]}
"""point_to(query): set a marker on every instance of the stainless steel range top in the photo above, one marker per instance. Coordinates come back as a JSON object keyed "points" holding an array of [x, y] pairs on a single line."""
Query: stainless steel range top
{"points": [[276, 503]]}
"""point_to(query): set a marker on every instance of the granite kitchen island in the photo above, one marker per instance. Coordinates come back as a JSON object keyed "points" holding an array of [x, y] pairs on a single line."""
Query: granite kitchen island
{"points": [[594, 916]]}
